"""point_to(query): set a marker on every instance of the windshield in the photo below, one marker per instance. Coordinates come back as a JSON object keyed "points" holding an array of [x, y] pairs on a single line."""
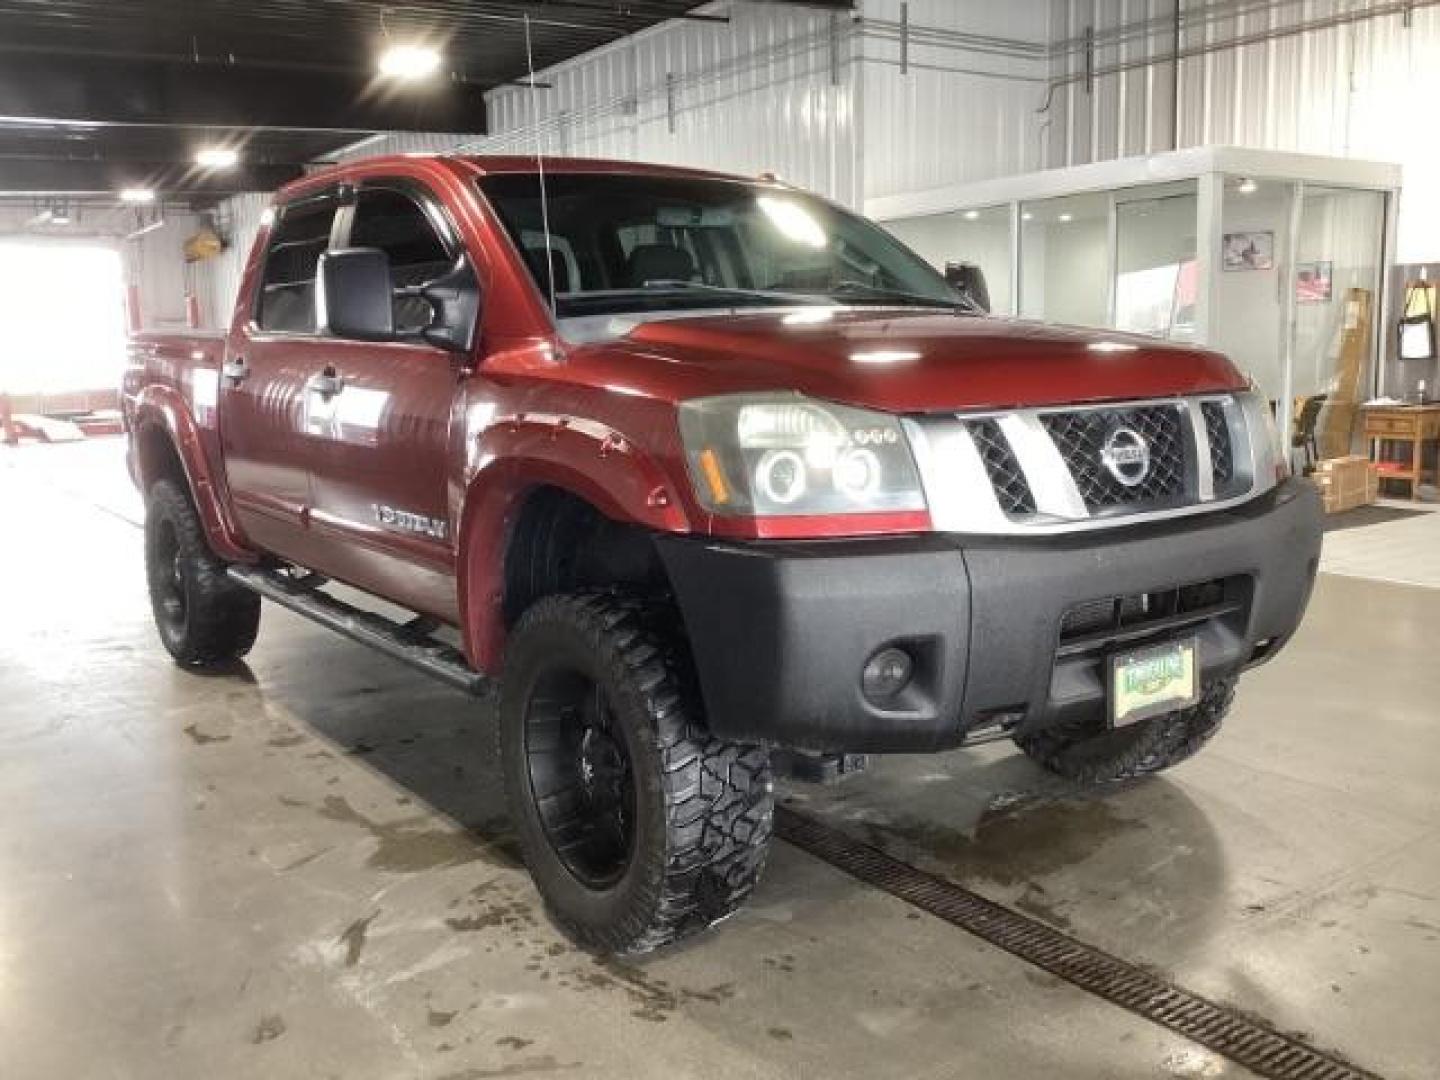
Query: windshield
{"points": [[625, 243]]}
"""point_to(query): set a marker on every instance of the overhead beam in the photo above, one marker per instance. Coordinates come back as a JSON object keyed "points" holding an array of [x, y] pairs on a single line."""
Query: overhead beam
{"points": [[175, 149], [37, 177], [116, 91]]}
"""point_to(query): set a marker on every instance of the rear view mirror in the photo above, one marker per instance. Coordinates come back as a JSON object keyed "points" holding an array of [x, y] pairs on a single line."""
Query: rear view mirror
{"points": [[968, 280], [352, 294]]}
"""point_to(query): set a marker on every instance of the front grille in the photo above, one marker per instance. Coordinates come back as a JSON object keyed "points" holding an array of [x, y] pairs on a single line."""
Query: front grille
{"points": [[1103, 620], [1081, 437], [1222, 454], [1011, 488]]}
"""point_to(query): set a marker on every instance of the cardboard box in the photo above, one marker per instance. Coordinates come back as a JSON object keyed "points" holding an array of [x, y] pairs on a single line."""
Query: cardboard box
{"points": [[1347, 482]]}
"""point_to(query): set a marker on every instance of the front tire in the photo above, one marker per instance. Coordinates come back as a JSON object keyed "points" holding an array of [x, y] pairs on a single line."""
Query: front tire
{"points": [[637, 825], [202, 616], [1090, 756]]}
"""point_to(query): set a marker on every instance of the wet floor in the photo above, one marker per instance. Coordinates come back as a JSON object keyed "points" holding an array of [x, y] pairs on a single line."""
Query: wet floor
{"points": [[300, 866]]}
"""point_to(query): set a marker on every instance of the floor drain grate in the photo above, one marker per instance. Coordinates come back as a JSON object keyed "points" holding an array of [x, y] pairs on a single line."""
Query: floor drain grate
{"points": [[1231, 1034]]}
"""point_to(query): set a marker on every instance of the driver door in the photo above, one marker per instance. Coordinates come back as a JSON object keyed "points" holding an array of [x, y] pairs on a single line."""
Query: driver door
{"points": [[379, 424]]}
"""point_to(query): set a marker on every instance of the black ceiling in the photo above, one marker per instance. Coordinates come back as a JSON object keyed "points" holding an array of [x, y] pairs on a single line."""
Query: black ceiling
{"points": [[96, 95]]}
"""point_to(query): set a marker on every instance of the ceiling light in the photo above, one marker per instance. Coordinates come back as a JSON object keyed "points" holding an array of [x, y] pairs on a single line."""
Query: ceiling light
{"points": [[217, 157], [1067, 217], [137, 195], [1247, 186], [971, 215], [1027, 216], [409, 61], [59, 216]]}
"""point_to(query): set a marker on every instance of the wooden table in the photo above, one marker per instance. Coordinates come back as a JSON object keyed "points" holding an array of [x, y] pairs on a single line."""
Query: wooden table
{"points": [[1413, 424]]}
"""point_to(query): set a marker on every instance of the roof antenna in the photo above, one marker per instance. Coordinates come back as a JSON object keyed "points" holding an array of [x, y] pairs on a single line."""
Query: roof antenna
{"points": [[540, 168]]}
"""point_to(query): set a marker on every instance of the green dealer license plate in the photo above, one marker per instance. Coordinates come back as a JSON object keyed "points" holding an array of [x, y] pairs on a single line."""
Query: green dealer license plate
{"points": [[1155, 680]]}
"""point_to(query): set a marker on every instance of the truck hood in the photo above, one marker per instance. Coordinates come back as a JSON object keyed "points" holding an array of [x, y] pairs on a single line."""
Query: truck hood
{"points": [[896, 360]]}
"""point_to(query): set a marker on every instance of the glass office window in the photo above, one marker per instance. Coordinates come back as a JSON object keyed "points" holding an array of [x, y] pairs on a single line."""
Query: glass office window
{"points": [[1065, 259], [980, 236], [1156, 276]]}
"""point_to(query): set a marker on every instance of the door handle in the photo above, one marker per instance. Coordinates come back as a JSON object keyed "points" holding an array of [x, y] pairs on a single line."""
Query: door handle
{"points": [[235, 370], [327, 383]]}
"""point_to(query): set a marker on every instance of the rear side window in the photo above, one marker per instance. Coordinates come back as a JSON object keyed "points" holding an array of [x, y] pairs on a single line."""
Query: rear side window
{"points": [[287, 290], [395, 223]]}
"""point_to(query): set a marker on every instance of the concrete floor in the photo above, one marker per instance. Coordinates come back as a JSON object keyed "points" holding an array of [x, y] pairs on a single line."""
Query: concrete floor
{"points": [[300, 867]]}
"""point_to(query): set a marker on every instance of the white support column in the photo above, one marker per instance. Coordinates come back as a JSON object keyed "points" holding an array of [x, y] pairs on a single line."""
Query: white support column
{"points": [[1209, 205]]}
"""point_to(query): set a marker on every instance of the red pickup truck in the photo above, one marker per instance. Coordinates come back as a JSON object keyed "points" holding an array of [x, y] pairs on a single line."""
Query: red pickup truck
{"points": [[693, 468]]}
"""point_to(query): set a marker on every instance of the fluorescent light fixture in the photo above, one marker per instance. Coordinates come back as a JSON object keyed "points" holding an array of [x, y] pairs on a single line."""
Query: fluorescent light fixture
{"points": [[217, 157], [1067, 217], [1247, 186], [972, 215], [1027, 216], [1111, 346], [59, 217], [885, 356], [409, 61], [137, 195]]}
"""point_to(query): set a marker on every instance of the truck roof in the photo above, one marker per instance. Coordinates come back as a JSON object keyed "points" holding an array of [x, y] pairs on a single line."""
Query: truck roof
{"points": [[496, 164]]}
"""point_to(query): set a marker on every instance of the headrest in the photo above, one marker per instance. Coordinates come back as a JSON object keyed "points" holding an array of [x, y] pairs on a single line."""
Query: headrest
{"points": [[558, 266], [658, 262]]}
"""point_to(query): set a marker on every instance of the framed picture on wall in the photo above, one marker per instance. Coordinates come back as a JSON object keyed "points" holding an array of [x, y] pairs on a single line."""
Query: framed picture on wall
{"points": [[1248, 251], [1313, 281]]}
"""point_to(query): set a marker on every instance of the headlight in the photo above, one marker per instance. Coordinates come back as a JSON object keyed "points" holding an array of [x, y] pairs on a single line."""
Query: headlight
{"points": [[763, 454]]}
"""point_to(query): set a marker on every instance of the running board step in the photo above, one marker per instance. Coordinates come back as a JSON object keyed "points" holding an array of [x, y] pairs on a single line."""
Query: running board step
{"points": [[407, 642]]}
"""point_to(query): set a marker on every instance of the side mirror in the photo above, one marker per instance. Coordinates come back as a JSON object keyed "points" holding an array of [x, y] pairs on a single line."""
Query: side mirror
{"points": [[352, 294], [454, 297], [969, 281]]}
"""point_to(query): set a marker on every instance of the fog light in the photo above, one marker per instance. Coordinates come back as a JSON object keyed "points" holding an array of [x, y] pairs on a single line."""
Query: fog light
{"points": [[886, 674]]}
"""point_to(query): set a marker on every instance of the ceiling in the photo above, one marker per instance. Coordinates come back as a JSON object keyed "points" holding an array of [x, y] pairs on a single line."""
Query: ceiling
{"points": [[98, 95]]}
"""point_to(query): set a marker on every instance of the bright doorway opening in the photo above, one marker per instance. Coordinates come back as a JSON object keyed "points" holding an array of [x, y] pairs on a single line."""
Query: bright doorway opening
{"points": [[62, 321]]}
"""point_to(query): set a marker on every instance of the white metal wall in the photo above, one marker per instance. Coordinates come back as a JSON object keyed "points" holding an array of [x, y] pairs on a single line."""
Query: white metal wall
{"points": [[904, 94], [1313, 76], [402, 142], [772, 90], [217, 280], [156, 263], [950, 91]]}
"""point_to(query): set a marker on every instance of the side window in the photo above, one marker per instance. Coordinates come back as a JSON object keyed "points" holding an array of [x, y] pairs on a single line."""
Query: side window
{"points": [[287, 287], [395, 223]]}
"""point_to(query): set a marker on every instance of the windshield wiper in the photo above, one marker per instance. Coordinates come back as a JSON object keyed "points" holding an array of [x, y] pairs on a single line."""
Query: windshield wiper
{"points": [[900, 296], [661, 284]]}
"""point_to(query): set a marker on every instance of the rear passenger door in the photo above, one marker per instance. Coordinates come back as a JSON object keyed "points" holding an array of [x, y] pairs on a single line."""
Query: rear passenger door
{"points": [[379, 442], [271, 354]]}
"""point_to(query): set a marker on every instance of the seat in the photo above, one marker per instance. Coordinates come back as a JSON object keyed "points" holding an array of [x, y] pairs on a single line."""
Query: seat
{"points": [[1306, 421], [535, 257], [658, 262]]}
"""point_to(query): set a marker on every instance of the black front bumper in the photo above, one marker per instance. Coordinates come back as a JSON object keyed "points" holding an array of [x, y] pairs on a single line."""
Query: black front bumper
{"points": [[781, 631]]}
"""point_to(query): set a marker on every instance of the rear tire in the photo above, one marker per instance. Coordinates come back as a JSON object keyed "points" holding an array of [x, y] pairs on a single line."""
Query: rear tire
{"points": [[203, 617], [1091, 756], [637, 825]]}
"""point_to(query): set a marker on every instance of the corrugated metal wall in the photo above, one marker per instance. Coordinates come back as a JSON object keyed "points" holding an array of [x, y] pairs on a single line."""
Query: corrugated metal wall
{"points": [[217, 280], [1328, 77], [904, 94], [402, 142], [950, 92], [772, 90], [156, 263]]}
